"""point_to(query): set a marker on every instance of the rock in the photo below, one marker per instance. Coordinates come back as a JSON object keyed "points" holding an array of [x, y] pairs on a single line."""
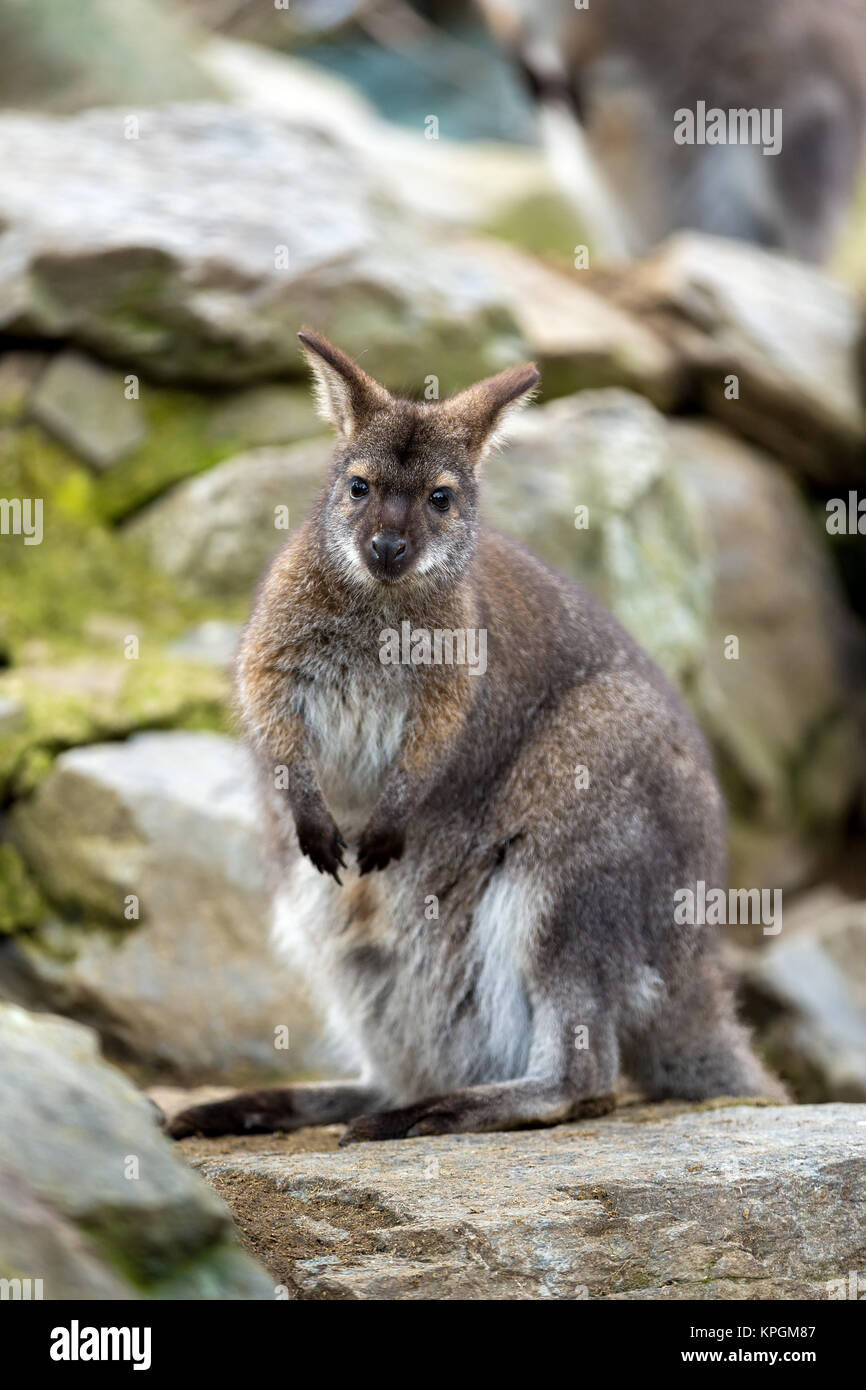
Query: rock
{"points": [[722, 1201], [787, 331], [13, 716], [83, 405], [810, 987], [642, 548], [780, 713], [580, 339], [46, 1254], [283, 25], [153, 850], [104, 696], [93, 1201], [213, 643], [487, 185], [266, 415], [192, 262], [19, 372], [216, 532], [135, 53], [21, 904]]}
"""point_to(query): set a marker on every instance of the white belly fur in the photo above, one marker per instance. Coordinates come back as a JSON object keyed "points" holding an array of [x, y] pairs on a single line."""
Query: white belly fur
{"points": [[412, 1051], [356, 735]]}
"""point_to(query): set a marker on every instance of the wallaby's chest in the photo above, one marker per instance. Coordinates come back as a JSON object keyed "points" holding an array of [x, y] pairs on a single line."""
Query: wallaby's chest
{"points": [[356, 724]]}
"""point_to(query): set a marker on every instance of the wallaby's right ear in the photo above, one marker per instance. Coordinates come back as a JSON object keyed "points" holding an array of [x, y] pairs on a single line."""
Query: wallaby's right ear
{"points": [[345, 394]]}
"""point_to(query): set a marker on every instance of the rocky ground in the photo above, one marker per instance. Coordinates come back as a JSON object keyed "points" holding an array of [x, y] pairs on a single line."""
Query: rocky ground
{"points": [[716, 1201]]}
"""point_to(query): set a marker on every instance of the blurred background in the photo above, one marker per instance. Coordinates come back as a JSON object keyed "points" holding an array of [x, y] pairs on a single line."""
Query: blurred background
{"points": [[442, 190]]}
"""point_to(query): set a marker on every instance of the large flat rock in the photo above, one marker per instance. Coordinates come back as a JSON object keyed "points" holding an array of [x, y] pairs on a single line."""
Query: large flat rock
{"points": [[724, 1201], [218, 234]]}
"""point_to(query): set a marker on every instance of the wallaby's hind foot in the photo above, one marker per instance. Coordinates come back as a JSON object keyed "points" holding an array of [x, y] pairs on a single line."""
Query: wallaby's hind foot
{"points": [[477, 1109], [273, 1111]]}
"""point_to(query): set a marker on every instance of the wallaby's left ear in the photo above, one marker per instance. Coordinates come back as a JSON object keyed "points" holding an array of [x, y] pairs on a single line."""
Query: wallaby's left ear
{"points": [[484, 408], [346, 395]]}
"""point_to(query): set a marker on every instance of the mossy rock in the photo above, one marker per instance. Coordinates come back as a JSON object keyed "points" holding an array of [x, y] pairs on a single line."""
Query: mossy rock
{"points": [[21, 903], [542, 223], [188, 432], [88, 701]]}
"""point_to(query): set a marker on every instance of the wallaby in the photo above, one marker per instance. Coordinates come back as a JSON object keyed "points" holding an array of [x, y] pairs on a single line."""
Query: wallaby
{"points": [[610, 77], [505, 943]]}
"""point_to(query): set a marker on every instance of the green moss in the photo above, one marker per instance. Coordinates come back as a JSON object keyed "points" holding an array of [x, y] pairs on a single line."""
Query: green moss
{"points": [[543, 224], [178, 444], [88, 701], [68, 606], [64, 593], [21, 904]]}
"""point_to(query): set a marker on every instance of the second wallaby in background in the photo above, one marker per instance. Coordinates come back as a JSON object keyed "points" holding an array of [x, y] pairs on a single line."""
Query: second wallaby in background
{"points": [[491, 932], [615, 79]]}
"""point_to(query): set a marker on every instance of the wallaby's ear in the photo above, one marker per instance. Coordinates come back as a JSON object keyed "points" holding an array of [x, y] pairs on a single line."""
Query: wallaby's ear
{"points": [[345, 394], [483, 409]]}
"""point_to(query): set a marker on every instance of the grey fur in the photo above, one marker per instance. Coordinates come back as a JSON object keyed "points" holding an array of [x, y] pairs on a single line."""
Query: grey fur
{"points": [[555, 901]]}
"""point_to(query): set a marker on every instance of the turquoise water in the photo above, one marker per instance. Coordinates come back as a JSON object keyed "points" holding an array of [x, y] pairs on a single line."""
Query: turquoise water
{"points": [[460, 77]]}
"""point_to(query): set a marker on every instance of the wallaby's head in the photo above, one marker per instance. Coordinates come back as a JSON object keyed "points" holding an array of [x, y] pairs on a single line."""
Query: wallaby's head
{"points": [[403, 494]]}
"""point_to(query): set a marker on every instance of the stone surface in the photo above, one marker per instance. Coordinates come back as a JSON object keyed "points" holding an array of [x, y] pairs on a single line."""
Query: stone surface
{"points": [[216, 532], [780, 714], [219, 233], [579, 339], [266, 415], [661, 1202], [93, 1201], [811, 983], [19, 372], [480, 184], [83, 405], [788, 332], [13, 715], [213, 643], [165, 825], [59, 59], [643, 550]]}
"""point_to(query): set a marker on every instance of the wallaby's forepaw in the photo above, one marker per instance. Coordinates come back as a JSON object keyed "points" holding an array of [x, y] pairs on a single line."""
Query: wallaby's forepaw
{"points": [[378, 846], [321, 842]]}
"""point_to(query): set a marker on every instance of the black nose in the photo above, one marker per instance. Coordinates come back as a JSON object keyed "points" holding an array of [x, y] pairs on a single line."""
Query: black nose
{"points": [[388, 548]]}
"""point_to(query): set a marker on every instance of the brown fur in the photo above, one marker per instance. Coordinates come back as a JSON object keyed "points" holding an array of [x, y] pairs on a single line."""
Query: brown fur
{"points": [[420, 784]]}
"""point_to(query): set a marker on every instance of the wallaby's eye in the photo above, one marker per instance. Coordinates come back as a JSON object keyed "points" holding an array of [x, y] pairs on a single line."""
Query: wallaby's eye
{"points": [[440, 499], [358, 488]]}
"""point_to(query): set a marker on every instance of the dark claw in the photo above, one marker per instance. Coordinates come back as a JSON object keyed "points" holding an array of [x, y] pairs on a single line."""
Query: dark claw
{"points": [[378, 848], [323, 845]]}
